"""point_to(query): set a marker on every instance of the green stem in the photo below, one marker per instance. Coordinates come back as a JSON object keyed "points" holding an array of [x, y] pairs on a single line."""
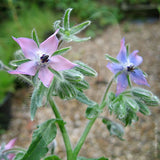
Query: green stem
{"points": [[6, 68], [83, 138], [62, 128], [16, 149], [91, 122], [107, 89]]}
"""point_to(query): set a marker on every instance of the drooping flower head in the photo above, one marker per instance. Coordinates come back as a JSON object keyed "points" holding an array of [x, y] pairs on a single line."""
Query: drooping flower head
{"points": [[41, 59], [8, 146], [128, 67]]}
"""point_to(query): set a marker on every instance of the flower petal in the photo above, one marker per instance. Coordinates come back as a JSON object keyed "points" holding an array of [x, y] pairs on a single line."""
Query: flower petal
{"points": [[135, 59], [59, 63], [122, 55], [46, 76], [10, 144], [49, 46], [138, 77], [114, 67], [122, 83], [28, 47], [28, 68]]}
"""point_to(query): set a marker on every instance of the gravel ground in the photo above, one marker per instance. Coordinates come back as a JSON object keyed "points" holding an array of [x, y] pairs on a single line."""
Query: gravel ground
{"points": [[142, 139]]}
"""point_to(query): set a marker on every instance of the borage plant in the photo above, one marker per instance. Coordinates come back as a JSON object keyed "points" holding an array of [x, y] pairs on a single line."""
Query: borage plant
{"points": [[52, 75]]}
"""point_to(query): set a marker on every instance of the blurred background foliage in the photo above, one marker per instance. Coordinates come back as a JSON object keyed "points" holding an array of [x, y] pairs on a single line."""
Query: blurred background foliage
{"points": [[19, 17]]}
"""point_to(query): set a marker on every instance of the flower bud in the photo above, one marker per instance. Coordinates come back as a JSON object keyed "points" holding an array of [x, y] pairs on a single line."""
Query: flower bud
{"points": [[85, 69], [131, 103], [146, 96], [141, 93]]}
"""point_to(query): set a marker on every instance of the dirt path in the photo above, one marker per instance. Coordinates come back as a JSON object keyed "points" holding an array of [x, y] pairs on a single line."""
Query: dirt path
{"points": [[142, 140]]}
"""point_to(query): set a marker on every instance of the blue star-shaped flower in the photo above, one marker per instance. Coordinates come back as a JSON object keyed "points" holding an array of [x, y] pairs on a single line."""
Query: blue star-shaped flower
{"points": [[127, 65]]}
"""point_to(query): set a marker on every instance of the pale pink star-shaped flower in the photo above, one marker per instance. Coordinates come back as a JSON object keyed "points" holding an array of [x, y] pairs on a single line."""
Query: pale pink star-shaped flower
{"points": [[41, 58]]}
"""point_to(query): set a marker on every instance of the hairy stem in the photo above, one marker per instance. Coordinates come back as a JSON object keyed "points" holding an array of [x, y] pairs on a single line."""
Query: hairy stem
{"points": [[91, 122], [62, 129]]}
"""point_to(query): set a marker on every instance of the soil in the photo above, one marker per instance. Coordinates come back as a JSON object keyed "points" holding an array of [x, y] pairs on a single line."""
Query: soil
{"points": [[142, 139]]}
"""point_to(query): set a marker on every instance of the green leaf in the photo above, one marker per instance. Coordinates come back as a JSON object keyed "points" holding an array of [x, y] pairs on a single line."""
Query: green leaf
{"points": [[84, 99], [85, 69], [57, 74], [113, 60], [66, 18], [44, 135], [101, 158], [114, 128], [35, 37], [37, 98], [78, 28], [110, 97], [19, 156], [77, 39], [19, 55], [127, 48], [93, 111], [52, 157], [61, 51], [56, 24], [18, 62]]}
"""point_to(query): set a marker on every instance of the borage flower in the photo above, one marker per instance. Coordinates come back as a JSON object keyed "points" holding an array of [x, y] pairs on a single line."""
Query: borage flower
{"points": [[128, 67], [8, 146], [41, 58]]}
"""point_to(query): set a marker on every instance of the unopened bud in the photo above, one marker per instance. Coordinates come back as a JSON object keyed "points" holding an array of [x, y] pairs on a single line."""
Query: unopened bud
{"points": [[146, 96]]}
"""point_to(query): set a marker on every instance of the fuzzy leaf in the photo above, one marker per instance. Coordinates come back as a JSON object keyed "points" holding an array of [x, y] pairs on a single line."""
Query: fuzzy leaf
{"points": [[19, 156], [37, 98], [110, 58], [78, 28], [44, 135], [114, 128], [66, 18], [57, 74], [52, 157], [18, 62], [93, 111], [85, 69], [77, 39], [35, 37], [61, 51], [84, 99], [56, 24]]}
